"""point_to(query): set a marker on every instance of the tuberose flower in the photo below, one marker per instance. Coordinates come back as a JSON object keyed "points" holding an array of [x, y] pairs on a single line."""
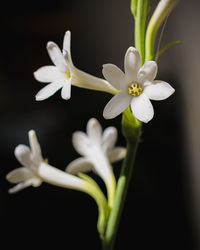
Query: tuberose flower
{"points": [[98, 151], [35, 170], [137, 87], [64, 74]]}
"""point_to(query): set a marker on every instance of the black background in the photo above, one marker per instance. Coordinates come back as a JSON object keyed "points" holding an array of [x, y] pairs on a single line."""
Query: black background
{"points": [[156, 214]]}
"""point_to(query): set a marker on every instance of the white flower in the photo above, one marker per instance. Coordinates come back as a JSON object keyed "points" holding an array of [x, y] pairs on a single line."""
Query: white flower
{"points": [[35, 170], [137, 87], [64, 74], [98, 150]]}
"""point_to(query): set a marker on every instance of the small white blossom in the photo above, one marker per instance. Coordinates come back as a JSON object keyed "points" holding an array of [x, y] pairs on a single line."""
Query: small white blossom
{"points": [[98, 151], [137, 87], [64, 74], [35, 170]]}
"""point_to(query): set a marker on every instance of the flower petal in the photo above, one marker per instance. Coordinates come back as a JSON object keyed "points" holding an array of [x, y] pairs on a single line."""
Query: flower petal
{"points": [[142, 108], [19, 174], [159, 90], [57, 56], [94, 131], [132, 64], [36, 154], [48, 74], [147, 72], [30, 182], [81, 143], [66, 90], [67, 42], [114, 75], [109, 138], [79, 165], [49, 90], [116, 105], [116, 154], [23, 155]]}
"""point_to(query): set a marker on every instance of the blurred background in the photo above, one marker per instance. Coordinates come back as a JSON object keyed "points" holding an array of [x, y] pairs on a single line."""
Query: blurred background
{"points": [[162, 208]]}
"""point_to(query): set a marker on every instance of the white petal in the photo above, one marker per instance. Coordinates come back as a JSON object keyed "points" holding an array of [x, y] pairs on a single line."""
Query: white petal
{"points": [[159, 90], [147, 72], [80, 165], [57, 56], [30, 182], [19, 187], [67, 42], [23, 155], [36, 153], [116, 154], [114, 75], [19, 174], [49, 90], [132, 64], [66, 90], [85, 80], [81, 143], [109, 138], [142, 108], [48, 74], [116, 105], [94, 131]]}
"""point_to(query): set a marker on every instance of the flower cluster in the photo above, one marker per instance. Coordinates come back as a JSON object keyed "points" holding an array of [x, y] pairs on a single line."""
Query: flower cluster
{"points": [[134, 87]]}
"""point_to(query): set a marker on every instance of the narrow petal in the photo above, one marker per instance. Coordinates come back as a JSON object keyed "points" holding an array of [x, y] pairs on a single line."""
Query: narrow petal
{"points": [[35, 182], [132, 64], [57, 56], [109, 138], [36, 153], [142, 108], [67, 42], [23, 155], [47, 74], [116, 105], [66, 90], [94, 131], [80, 165], [19, 175], [114, 75], [147, 72], [81, 143], [116, 154], [19, 187], [87, 81], [159, 90], [49, 90]]}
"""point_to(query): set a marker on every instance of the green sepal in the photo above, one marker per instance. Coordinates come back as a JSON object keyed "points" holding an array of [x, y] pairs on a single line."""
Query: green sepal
{"points": [[131, 126], [160, 52]]}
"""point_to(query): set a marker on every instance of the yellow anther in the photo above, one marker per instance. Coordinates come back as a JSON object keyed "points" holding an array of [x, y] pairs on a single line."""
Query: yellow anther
{"points": [[68, 74], [135, 89]]}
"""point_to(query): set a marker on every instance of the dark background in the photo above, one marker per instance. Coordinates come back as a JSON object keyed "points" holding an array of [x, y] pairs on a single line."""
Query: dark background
{"points": [[158, 213]]}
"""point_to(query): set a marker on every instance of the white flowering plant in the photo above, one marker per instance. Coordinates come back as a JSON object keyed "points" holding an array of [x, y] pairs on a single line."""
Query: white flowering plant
{"points": [[132, 90]]}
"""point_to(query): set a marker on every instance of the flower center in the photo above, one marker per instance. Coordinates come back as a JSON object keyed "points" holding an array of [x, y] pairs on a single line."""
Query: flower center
{"points": [[135, 89], [68, 74]]}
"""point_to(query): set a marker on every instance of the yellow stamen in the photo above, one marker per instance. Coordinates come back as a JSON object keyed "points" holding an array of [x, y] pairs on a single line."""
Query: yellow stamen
{"points": [[135, 89], [68, 74]]}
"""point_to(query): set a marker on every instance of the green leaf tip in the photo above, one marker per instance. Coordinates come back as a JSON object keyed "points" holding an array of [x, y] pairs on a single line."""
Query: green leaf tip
{"points": [[160, 52]]}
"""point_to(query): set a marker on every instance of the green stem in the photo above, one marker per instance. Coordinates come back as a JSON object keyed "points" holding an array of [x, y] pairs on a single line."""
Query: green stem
{"points": [[131, 129], [140, 26]]}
